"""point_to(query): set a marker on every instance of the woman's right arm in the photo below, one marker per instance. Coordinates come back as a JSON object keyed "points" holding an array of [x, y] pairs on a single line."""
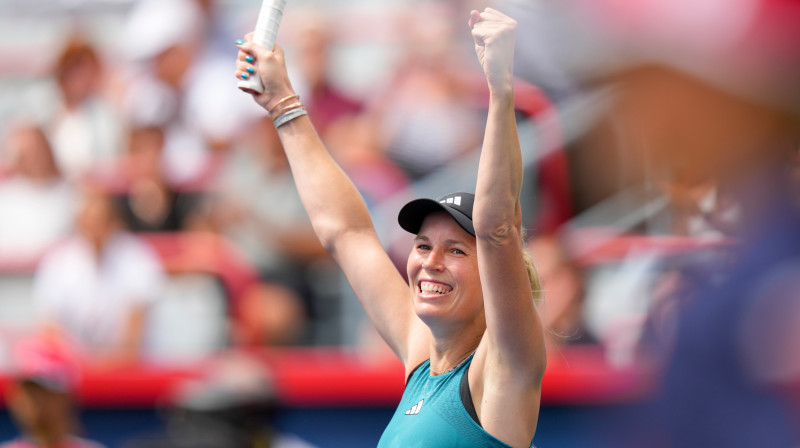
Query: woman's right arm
{"points": [[338, 214]]}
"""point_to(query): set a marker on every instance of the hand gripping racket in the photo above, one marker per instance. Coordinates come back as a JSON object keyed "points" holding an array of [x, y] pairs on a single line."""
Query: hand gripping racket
{"points": [[269, 19]]}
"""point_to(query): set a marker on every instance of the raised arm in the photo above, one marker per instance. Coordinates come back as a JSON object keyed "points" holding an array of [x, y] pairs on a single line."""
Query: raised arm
{"points": [[512, 355], [336, 209]]}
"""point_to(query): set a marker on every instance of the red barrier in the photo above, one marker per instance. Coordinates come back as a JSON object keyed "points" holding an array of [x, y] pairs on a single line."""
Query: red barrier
{"points": [[344, 378]]}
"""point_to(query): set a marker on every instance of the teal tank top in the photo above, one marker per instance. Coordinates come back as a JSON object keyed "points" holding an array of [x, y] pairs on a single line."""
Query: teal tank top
{"points": [[432, 414]]}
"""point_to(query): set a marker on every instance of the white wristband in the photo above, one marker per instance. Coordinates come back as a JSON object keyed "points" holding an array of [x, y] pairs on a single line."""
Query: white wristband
{"points": [[289, 116]]}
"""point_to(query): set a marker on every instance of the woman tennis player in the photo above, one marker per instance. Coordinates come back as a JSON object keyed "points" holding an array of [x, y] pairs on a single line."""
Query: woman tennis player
{"points": [[465, 325]]}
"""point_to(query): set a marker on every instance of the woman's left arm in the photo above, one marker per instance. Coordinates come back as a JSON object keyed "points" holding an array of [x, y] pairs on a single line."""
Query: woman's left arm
{"points": [[511, 359], [513, 324]]}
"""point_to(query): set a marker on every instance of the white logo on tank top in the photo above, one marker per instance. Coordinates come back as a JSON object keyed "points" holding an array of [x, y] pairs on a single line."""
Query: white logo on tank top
{"points": [[416, 408]]}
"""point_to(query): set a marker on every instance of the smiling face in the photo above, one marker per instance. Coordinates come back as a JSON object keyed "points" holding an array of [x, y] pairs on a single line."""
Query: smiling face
{"points": [[443, 272]]}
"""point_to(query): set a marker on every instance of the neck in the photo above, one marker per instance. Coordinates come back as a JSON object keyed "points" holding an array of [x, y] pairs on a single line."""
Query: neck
{"points": [[49, 438], [447, 354]]}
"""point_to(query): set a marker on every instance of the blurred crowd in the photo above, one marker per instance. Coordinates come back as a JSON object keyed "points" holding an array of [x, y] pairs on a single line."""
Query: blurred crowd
{"points": [[116, 141], [661, 149]]}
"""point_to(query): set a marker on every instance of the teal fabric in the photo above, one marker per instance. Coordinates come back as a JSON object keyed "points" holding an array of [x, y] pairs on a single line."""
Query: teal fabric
{"points": [[431, 414]]}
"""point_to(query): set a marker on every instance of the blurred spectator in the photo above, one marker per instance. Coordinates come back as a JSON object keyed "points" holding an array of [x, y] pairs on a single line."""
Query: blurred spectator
{"points": [[273, 231], [150, 201], [426, 109], [701, 208], [710, 94], [180, 82], [166, 38], [86, 129], [562, 309], [271, 314], [233, 405], [96, 287], [36, 204], [352, 135], [40, 397], [355, 143], [722, 386], [675, 287], [323, 100]]}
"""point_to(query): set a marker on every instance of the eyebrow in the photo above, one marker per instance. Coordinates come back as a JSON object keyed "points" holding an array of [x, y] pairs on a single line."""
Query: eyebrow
{"points": [[450, 241]]}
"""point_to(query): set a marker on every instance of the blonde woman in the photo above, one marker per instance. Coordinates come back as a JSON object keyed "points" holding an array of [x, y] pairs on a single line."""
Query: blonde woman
{"points": [[465, 324]]}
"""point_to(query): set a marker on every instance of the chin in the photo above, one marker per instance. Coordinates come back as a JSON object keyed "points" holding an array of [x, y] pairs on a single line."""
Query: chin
{"points": [[427, 310], [434, 311]]}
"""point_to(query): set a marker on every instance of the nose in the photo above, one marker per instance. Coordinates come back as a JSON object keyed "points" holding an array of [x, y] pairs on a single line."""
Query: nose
{"points": [[433, 262]]}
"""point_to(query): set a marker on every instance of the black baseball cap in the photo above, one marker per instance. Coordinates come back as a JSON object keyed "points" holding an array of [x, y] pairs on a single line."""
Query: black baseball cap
{"points": [[458, 205]]}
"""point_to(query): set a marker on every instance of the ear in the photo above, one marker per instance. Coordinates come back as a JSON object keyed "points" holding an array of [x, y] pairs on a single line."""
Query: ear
{"points": [[18, 400], [13, 391]]}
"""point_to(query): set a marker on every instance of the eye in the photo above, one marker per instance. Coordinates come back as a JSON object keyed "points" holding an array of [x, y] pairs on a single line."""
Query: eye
{"points": [[423, 246], [458, 252]]}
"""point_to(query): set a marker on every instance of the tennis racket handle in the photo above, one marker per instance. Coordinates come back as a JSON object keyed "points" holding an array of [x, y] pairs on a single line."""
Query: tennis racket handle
{"points": [[269, 20]]}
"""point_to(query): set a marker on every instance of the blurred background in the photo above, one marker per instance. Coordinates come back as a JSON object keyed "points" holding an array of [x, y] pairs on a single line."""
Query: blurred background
{"points": [[159, 279]]}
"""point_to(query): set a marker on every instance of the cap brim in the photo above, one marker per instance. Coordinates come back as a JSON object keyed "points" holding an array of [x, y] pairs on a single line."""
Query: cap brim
{"points": [[50, 384], [414, 213]]}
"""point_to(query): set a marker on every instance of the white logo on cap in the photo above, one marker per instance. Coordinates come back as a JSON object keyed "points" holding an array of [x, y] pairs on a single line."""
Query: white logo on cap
{"points": [[454, 200]]}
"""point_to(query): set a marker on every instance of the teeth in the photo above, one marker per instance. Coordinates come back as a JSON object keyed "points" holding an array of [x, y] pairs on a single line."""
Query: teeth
{"points": [[428, 287]]}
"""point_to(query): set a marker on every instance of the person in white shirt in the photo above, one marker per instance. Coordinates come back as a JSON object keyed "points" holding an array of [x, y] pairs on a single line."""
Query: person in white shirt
{"points": [[37, 206], [96, 287]]}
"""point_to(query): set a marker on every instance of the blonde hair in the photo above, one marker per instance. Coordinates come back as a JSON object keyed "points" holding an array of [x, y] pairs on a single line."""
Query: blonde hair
{"points": [[537, 290]]}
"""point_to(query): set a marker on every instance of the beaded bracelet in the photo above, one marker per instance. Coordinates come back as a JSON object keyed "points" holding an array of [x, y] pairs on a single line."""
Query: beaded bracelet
{"points": [[289, 116], [282, 100]]}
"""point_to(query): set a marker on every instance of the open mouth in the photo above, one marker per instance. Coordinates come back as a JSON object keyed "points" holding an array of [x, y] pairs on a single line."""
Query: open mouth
{"points": [[430, 288]]}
